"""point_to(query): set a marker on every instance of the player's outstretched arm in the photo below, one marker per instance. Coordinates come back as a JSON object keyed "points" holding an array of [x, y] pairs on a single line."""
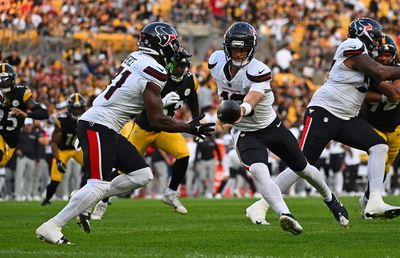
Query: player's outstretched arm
{"points": [[368, 66], [154, 109]]}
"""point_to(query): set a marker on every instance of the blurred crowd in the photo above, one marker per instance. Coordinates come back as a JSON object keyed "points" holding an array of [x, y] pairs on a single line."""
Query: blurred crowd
{"points": [[296, 38]]}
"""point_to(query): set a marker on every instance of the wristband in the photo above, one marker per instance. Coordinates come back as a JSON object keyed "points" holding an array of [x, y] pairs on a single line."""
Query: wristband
{"points": [[247, 108]]}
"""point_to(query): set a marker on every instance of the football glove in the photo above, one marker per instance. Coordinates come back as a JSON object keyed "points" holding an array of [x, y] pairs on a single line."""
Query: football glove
{"points": [[201, 130], [61, 166], [170, 99]]}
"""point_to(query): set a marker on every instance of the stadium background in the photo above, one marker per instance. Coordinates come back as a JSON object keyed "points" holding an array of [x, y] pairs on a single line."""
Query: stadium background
{"points": [[60, 47]]}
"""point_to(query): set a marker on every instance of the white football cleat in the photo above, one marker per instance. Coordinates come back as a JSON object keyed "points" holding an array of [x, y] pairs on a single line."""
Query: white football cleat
{"points": [[377, 208], [99, 210], [257, 212], [51, 233], [289, 223], [172, 199]]}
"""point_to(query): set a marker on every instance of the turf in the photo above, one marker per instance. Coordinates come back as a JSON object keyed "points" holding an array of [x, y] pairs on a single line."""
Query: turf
{"points": [[213, 228]]}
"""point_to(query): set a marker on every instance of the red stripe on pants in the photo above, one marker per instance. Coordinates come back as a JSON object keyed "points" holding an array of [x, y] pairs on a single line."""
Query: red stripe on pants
{"points": [[94, 154], [305, 132]]}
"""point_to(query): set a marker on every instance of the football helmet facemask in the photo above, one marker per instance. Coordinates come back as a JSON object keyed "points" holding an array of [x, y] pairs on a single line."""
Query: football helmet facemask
{"points": [[7, 77], [387, 45], [369, 32], [240, 35], [76, 105], [180, 65], [159, 39]]}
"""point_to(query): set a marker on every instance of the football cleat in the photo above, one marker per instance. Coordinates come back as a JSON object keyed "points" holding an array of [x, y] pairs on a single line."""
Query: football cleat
{"points": [[289, 223], [83, 220], [99, 210], [338, 211], [46, 202], [51, 233], [377, 208], [172, 199], [257, 212]]}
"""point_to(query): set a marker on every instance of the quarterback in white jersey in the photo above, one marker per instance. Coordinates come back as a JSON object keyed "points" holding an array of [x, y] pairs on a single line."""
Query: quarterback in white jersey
{"points": [[246, 80], [332, 111], [136, 86]]}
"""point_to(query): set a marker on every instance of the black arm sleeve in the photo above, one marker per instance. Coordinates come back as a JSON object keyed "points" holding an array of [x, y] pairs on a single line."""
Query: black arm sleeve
{"points": [[38, 113]]}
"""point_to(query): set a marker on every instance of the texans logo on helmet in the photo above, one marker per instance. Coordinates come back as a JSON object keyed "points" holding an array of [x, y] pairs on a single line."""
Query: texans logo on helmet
{"points": [[165, 37]]}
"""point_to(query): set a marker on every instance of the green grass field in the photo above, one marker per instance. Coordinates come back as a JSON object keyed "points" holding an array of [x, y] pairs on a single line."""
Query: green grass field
{"points": [[213, 228]]}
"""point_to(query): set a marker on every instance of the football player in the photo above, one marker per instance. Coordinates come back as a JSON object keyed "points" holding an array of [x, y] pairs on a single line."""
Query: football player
{"points": [[332, 113], [243, 78], [63, 143], [181, 87], [13, 111], [135, 87], [382, 110]]}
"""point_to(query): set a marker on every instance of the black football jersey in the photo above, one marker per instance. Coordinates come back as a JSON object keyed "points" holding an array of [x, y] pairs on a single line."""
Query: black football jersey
{"points": [[10, 125], [187, 91], [384, 116], [68, 131]]}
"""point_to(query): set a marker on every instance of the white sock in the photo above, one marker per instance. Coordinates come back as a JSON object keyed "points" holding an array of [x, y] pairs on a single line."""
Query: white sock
{"points": [[315, 178], [285, 179], [87, 196], [338, 183], [268, 189], [126, 183], [376, 166]]}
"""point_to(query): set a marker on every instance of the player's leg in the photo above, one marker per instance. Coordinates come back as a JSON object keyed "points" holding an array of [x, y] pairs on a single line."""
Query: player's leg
{"points": [[6, 152], [282, 142], [55, 176], [359, 134], [99, 145], [174, 144], [136, 172], [254, 156]]}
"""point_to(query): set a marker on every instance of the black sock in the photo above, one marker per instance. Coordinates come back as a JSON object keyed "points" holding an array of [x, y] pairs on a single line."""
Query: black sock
{"points": [[51, 189], [178, 172], [222, 185]]}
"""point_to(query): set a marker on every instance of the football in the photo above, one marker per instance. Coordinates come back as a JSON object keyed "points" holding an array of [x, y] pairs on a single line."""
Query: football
{"points": [[228, 111]]}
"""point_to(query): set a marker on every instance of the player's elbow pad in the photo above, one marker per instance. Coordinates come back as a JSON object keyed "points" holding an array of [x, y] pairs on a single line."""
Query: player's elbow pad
{"points": [[38, 113]]}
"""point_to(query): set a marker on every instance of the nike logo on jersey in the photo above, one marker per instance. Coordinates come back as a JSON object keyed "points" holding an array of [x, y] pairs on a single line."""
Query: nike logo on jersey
{"points": [[326, 119], [159, 68], [311, 110], [242, 134], [259, 72], [352, 47], [280, 122]]}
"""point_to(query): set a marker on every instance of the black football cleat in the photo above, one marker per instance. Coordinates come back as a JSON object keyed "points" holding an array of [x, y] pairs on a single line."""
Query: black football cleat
{"points": [[338, 211]]}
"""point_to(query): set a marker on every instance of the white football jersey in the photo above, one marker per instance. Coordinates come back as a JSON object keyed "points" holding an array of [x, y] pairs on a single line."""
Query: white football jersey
{"points": [[255, 76], [344, 91], [122, 100]]}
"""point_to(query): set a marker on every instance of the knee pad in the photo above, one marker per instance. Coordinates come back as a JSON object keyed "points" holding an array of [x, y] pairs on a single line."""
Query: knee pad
{"points": [[99, 187], [259, 170], [141, 177], [379, 148]]}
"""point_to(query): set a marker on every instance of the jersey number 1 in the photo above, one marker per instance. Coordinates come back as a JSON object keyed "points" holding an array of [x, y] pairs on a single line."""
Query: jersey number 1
{"points": [[119, 83]]}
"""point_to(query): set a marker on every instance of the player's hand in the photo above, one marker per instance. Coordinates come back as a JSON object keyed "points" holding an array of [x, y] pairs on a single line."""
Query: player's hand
{"points": [[61, 166], [199, 129], [18, 112], [170, 99]]}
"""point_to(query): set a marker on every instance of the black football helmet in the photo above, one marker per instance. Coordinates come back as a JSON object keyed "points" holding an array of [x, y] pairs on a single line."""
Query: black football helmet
{"points": [[180, 65], [76, 105], [387, 45], [368, 31], [240, 35], [7, 77], [159, 39]]}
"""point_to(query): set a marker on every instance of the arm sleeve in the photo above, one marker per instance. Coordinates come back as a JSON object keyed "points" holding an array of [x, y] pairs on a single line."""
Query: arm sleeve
{"points": [[38, 113]]}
